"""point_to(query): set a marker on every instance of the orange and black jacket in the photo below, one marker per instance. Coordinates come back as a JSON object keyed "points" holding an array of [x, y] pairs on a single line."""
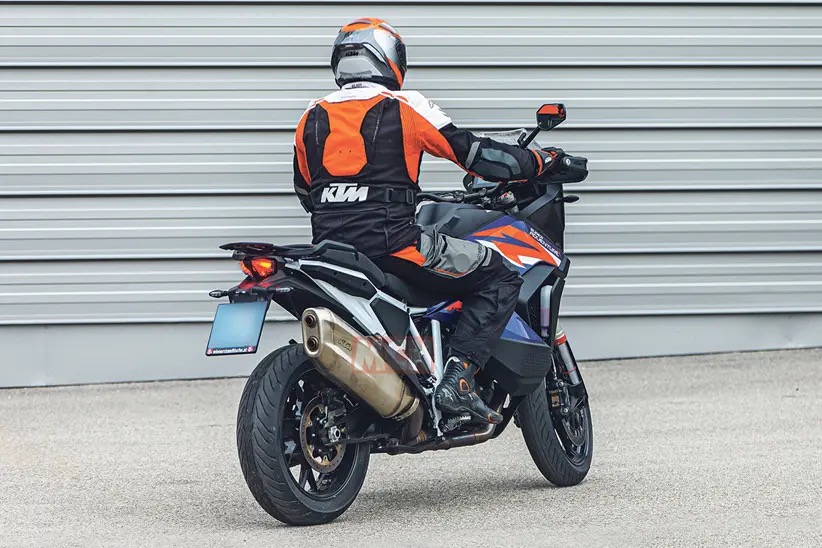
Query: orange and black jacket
{"points": [[357, 155]]}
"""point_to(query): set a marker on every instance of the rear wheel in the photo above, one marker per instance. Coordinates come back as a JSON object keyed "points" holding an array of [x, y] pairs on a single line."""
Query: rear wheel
{"points": [[287, 455], [559, 436]]}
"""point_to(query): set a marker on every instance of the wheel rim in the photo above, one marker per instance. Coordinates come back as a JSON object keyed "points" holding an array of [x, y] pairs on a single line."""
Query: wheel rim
{"points": [[317, 470]]}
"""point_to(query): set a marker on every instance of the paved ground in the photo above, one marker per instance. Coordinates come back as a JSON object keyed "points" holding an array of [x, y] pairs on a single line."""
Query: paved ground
{"points": [[697, 451]]}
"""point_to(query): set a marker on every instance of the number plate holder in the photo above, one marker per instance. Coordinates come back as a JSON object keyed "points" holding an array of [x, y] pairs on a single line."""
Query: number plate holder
{"points": [[237, 328]]}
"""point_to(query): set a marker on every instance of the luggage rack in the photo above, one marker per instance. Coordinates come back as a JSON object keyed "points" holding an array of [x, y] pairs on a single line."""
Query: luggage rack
{"points": [[292, 251]]}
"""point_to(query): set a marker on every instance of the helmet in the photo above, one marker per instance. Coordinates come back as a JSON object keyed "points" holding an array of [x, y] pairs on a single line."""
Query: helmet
{"points": [[369, 49]]}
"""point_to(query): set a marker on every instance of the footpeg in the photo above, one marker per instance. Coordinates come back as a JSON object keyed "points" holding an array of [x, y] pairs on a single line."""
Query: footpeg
{"points": [[452, 423]]}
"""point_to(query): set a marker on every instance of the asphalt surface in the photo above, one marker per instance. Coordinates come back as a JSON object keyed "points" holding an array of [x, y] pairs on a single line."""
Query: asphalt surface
{"points": [[722, 450]]}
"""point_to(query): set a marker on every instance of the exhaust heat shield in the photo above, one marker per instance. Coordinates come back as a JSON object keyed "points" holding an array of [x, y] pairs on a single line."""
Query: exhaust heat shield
{"points": [[354, 363]]}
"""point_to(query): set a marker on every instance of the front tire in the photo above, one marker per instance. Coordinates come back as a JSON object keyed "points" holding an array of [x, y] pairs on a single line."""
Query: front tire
{"points": [[563, 459], [271, 435]]}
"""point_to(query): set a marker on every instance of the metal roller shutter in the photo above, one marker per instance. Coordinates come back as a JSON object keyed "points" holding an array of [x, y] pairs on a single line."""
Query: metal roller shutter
{"points": [[135, 137]]}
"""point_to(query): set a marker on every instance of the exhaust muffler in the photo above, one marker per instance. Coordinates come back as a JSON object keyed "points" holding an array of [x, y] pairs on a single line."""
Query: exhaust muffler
{"points": [[355, 363]]}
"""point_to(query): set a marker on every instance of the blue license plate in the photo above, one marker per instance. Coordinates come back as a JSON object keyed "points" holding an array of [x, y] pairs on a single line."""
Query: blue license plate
{"points": [[237, 328]]}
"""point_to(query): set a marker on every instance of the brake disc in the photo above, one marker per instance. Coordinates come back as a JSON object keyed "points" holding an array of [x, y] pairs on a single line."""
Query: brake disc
{"points": [[576, 435], [320, 457]]}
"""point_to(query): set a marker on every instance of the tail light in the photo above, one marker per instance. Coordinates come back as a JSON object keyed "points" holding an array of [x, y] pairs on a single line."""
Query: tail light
{"points": [[259, 267]]}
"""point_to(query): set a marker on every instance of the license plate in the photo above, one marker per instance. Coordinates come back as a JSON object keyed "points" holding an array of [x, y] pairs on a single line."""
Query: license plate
{"points": [[236, 328]]}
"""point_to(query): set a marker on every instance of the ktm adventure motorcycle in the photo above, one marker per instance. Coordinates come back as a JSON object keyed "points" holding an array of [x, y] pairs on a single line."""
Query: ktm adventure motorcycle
{"points": [[362, 380]]}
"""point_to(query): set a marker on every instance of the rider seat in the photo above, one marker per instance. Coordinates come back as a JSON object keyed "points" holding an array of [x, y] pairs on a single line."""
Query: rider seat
{"points": [[412, 295], [395, 286]]}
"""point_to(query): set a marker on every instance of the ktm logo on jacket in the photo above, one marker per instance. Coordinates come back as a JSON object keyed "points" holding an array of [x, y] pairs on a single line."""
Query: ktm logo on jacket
{"points": [[343, 192]]}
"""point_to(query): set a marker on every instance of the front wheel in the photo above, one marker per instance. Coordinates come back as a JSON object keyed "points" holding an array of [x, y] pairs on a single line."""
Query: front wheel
{"points": [[560, 438], [286, 417]]}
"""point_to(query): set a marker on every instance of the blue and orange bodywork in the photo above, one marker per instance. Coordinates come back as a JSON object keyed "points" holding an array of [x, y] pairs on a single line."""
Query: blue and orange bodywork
{"points": [[520, 244], [522, 247]]}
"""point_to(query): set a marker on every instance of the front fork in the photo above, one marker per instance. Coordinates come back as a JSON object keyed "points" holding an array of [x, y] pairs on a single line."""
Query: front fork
{"points": [[564, 384], [549, 299], [566, 356]]}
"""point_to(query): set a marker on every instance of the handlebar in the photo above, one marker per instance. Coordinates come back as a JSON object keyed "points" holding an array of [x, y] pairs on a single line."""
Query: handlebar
{"points": [[453, 196], [469, 197]]}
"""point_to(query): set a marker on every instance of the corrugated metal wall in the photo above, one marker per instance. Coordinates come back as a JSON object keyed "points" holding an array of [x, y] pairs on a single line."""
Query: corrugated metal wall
{"points": [[136, 137]]}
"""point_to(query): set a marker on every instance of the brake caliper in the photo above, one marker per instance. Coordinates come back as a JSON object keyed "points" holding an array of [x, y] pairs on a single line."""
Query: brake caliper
{"points": [[558, 397]]}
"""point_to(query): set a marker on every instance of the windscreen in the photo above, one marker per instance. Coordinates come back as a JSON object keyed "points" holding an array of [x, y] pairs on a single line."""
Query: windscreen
{"points": [[508, 137]]}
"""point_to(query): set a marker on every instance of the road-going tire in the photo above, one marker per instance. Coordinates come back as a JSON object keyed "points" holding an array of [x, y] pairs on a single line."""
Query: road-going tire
{"points": [[270, 411], [558, 464]]}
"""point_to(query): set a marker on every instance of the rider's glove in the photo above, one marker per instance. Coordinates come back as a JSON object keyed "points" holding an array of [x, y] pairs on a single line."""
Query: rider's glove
{"points": [[550, 158]]}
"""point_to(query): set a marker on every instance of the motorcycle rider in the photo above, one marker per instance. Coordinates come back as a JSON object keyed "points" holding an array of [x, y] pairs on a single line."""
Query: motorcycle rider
{"points": [[357, 155]]}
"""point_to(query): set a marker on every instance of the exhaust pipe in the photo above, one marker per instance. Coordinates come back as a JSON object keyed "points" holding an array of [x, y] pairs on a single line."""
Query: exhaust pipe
{"points": [[355, 364], [425, 441]]}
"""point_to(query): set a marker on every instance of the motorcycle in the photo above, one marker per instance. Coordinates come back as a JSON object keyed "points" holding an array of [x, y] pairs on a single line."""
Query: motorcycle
{"points": [[373, 349]]}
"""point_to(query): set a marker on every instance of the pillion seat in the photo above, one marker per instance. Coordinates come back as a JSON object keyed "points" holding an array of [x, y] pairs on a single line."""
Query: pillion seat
{"points": [[346, 256]]}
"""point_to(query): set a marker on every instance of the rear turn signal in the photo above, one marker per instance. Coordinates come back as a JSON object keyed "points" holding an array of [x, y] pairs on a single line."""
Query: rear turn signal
{"points": [[258, 267]]}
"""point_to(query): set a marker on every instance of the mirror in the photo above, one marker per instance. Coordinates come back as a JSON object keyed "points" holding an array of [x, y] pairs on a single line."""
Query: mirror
{"points": [[550, 116]]}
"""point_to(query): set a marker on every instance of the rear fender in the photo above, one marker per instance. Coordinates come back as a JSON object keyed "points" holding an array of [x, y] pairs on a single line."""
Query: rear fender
{"points": [[295, 294]]}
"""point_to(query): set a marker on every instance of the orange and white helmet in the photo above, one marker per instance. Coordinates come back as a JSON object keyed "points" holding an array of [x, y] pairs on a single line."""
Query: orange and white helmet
{"points": [[369, 50]]}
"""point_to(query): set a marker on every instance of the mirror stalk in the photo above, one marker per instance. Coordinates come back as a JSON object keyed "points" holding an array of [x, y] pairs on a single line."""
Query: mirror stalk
{"points": [[525, 140]]}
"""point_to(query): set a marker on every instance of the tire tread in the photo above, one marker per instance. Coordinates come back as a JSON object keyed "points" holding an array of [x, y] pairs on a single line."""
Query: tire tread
{"points": [[543, 445], [257, 445]]}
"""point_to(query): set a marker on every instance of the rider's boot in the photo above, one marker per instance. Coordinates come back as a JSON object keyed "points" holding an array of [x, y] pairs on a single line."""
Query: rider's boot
{"points": [[456, 395]]}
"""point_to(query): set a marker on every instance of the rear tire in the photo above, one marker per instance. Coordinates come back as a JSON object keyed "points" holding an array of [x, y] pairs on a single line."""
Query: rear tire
{"points": [[548, 452], [266, 443]]}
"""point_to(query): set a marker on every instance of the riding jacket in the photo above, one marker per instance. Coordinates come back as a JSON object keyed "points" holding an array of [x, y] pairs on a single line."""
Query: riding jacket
{"points": [[357, 155]]}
